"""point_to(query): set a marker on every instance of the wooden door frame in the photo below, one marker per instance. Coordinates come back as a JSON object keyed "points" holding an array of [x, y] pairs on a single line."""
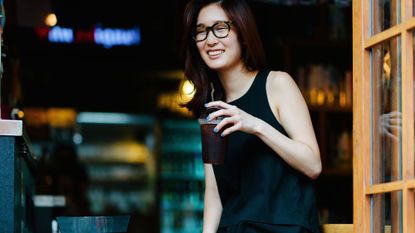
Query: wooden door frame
{"points": [[363, 189]]}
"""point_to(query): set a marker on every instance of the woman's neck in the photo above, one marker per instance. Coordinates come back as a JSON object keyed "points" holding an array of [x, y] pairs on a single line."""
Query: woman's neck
{"points": [[236, 82]]}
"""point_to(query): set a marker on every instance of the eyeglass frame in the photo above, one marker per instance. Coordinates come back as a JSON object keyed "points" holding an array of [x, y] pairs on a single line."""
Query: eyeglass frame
{"points": [[211, 29]]}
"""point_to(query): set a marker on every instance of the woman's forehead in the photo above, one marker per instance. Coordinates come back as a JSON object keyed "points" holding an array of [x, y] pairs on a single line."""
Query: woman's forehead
{"points": [[211, 14]]}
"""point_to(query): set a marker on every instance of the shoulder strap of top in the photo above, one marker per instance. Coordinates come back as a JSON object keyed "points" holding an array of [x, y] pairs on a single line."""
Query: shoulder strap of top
{"points": [[257, 89], [260, 81]]}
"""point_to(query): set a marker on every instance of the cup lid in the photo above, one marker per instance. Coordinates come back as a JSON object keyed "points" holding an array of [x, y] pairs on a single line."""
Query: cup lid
{"points": [[214, 121]]}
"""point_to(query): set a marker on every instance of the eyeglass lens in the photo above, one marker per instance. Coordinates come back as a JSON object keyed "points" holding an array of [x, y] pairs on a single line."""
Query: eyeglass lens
{"points": [[219, 29]]}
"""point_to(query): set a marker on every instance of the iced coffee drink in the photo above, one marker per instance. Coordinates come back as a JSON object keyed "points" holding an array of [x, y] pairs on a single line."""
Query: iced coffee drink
{"points": [[213, 144]]}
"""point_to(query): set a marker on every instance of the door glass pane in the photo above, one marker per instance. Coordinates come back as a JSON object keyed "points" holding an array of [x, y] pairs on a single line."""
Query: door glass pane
{"points": [[386, 111], [386, 212], [385, 14]]}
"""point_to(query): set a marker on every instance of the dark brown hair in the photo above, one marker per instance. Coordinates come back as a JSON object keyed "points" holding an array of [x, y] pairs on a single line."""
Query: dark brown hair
{"points": [[195, 69]]}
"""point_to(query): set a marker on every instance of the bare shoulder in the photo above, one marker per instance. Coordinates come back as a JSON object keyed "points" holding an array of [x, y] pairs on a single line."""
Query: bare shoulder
{"points": [[280, 80]]}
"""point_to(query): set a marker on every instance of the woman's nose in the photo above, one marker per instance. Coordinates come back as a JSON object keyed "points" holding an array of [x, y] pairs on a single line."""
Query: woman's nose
{"points": [[211, 38]]}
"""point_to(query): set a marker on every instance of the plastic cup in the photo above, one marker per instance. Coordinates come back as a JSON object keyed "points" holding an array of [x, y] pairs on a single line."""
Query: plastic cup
{"points": [[214, 146]]}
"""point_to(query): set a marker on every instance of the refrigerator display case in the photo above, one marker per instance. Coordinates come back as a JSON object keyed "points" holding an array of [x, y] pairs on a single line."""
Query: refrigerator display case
{"points": [[118, 152], [181, 177]]}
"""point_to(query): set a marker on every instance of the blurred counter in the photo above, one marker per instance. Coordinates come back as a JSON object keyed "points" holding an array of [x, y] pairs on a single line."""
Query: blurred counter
{"points": [[11, 128], [18, 168]]}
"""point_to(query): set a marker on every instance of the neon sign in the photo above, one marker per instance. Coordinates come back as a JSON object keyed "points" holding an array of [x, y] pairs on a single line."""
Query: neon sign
{"points": [[107, 37]]}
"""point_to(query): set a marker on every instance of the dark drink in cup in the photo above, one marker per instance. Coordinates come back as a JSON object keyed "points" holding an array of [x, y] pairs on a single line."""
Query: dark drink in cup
{"points": [[213, 144]]}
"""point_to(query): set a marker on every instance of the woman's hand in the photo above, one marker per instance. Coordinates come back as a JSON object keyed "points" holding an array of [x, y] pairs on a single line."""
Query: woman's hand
{"points": [[235, 119], [390, 124]]}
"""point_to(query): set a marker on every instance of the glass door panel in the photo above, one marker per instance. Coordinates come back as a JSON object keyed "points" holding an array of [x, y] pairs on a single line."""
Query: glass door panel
{"points": [[383, 88], [386, 111], [385, 14], [386, 212]]}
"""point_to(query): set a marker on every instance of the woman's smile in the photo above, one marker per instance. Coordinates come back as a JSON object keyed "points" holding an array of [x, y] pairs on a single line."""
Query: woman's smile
{"points": [[215, 53]]}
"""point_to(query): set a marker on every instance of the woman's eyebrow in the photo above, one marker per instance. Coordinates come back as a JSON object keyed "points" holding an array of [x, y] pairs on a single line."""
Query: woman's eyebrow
{"points": [[217, 21]]}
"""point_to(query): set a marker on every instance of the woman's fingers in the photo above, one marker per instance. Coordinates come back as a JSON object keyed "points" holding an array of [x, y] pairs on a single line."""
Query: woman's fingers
{"points": [[219, 104], [231, 129], [224, 122], [393, 114], [223, 112], [391, 136], [393, 127], [234, 118], [229, 125], [395, 121]]}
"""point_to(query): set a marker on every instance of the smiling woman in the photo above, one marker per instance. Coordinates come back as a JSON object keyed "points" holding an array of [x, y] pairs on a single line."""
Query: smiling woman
{"points": [[252, 51], [266, 181]]}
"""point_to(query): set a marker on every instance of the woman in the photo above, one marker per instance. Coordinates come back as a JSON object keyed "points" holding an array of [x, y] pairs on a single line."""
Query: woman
{"points": [[266, 183]]}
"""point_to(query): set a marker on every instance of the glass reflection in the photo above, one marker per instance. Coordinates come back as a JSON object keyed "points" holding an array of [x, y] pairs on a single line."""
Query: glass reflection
{"points": [[387, 212], [385, 14], [386, 111]]}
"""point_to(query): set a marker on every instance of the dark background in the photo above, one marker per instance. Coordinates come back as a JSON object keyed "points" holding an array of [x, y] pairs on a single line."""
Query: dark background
{"points": [[128, 79], [89, 77]]}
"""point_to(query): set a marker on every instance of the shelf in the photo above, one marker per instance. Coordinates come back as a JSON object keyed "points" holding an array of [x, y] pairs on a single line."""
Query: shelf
{"points": [[114, 118], [112, 163], [126, 151], [171, 206], [168, 230], [182, 126], [119, 183], [328, 108], [183, 147], [186, 177]]}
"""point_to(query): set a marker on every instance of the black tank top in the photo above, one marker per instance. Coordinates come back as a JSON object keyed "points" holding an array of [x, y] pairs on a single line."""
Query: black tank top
{"points": [[255, 184]]}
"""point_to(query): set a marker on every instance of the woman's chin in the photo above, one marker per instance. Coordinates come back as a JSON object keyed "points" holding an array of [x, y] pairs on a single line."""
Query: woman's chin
{"points": [[216, 66]]}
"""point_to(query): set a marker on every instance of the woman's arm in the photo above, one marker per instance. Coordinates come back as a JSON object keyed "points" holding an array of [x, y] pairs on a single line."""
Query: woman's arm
{"points": [[212, 206], [300, 149]]}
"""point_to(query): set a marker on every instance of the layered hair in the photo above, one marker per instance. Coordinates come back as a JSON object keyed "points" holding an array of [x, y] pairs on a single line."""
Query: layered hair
{"points": [[195, 69]]}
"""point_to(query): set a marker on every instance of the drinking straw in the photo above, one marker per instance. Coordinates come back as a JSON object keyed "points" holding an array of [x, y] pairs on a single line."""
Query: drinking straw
{"points": [[212, 91]]}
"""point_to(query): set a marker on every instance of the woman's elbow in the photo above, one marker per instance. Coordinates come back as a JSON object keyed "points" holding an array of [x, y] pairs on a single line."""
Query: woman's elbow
{"points": [[315, 171], [314, 165]]}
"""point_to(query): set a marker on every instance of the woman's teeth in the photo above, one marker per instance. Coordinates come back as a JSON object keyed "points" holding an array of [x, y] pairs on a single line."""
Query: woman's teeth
{"points": [[215, 52]]}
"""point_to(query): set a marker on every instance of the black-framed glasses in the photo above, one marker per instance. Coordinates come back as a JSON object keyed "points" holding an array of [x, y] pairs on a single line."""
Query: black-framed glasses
{"points": [[219, 29]]}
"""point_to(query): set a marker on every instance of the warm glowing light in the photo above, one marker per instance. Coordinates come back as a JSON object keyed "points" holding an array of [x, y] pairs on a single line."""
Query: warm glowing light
{"points": [[313, 96], [61, 117], [320, 97], [173, 100], [188, 89], [51, 20], [343, 99], [330, 97], [20, 114], [387, 65]]}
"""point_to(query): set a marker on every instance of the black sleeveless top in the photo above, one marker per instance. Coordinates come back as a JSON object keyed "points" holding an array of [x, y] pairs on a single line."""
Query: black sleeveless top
{"points": [[255, 184]]}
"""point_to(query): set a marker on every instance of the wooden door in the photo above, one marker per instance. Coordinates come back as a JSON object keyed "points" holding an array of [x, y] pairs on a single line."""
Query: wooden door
{"points": [[383, 116]]}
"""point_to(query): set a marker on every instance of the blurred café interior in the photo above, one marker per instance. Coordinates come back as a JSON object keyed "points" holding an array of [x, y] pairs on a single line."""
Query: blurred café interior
{"points": [[95, 87]]}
